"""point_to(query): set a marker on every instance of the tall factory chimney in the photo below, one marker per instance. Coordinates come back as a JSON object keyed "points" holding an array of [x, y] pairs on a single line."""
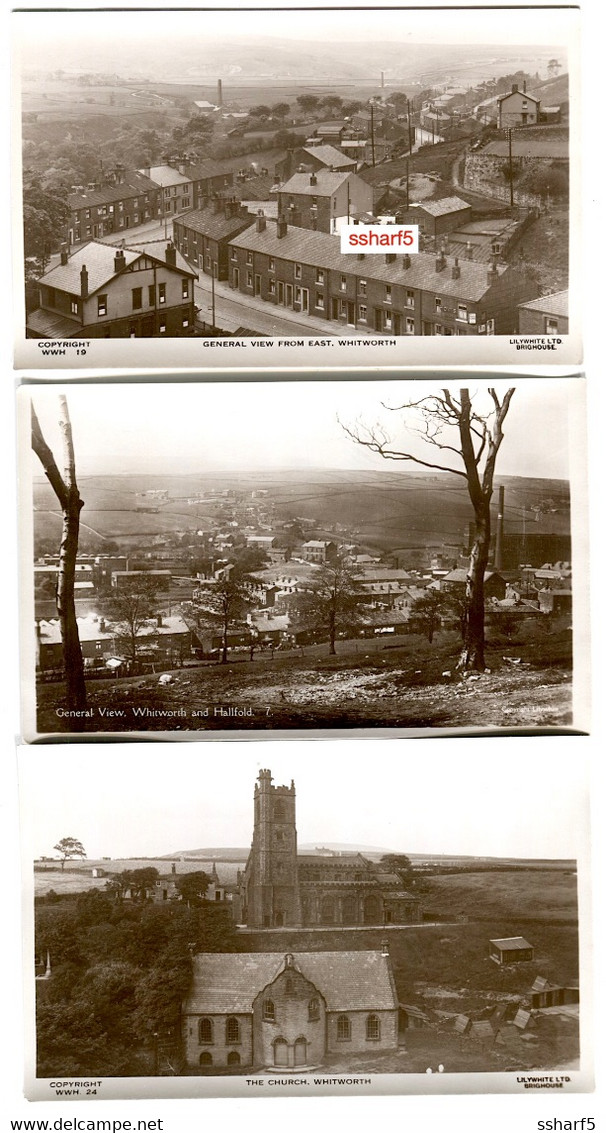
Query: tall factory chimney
{"points": [[219, 93], [498, 547], [382, 80]]}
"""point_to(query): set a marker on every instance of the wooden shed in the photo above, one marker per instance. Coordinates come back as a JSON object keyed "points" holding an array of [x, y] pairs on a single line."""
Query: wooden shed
{"points": [[511, 950]]}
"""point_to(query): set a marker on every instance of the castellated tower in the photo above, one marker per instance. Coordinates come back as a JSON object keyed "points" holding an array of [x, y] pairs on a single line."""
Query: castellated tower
{"points": [[271, 881]]}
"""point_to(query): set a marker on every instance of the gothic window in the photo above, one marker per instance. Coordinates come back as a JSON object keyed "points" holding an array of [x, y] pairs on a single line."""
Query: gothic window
{"points": [[373, 1027], [350, 908], [289, 986], [279, 811], [206, 1058], [328, 910], [313, 1010], [232, 1030], [343, 1028], [233, 1058], [280, 1052], [205, 1030], [269, 1011]]}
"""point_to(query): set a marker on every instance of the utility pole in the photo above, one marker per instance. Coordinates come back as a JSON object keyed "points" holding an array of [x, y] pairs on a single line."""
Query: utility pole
{"points": [[510, 168], [372, 132], [212, 290]]}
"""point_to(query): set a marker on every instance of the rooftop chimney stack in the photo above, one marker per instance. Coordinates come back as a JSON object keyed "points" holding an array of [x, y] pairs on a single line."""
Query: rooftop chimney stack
{"points": [[171, 254], [119, 261], [456, 271], [406, 261], [313, 180], [64, 256], [260, 223], [83, 282], [441, 261], [281, 227]]}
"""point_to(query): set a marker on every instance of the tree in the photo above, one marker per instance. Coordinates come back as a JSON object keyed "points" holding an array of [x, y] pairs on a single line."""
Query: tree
{"points": [[401, 865], [45, 217], [261, 111], [280, 109], [308, 102], [192, 886], [225, 602], [331, 602], [426, 613], [131, 609], [135, 881], [451, 425], [66, 491], [69, 848]]}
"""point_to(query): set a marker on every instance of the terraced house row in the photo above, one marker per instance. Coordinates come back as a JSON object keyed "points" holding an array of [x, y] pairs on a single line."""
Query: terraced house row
{"points": [[390, 294]]}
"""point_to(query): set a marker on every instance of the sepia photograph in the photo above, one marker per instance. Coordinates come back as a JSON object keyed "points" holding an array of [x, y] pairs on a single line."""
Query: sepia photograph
{"points": [[304, 927], [379, 557], [190, 177]]}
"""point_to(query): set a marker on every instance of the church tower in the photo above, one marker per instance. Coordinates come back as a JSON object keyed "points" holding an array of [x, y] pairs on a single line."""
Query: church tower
{"points": [[271, 882]]}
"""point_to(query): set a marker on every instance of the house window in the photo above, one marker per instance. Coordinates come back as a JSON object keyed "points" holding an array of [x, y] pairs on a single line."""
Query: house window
{"points": [[102, 304], [343, 1028], [438, 329], [138, 297], [269, 1011], [319, 275], [232, 1030], [320, 301], [362, 313], [343, 283], [272, 286], [208, 261], [551, 325], [132, 330], [249, 257], [313, 1010], [289, 986], [410, 326], [373, 1028], [438, 304], [205, 1030], [233, 1058], [387, 298], [272, 264], [185, 321], [88, 230], [362, 286], [120, 206], [162, 324], [87, 214], [249, 279], [185, 204], [74, 306], [462, 312], [233, 255], [410, 298], [185, 289]]}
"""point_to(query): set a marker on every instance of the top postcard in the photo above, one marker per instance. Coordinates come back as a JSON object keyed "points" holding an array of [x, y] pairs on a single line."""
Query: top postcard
{"points": [[333, 188]]}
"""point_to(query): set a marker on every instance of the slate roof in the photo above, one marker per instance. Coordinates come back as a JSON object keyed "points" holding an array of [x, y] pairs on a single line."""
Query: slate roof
{"points": [[349, 981], [165, 175], [329, 155], [98, 258], [511, 942], [522, 93], [323, 251], [89, 629], [133, 185], [327, 183], [556, 304], [48, 324], [444, 206], [215, 225]]}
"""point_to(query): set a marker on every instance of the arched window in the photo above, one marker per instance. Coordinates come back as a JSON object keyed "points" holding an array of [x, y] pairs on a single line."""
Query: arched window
{"points": [[279, 812], [280, 1052], [327, 911], [269, 1010], [313, 1010], [343, 1028], [349, 909], [205, 1030], [289, 986], [373, 1027], [372, 910], [300, 1051], [233, 1058], [232, 1030], [206, 1058]]}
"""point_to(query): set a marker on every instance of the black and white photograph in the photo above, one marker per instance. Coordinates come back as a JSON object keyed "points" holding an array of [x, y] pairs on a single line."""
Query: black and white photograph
{"points": [[321, 924], [189, 176], [257, 559]]}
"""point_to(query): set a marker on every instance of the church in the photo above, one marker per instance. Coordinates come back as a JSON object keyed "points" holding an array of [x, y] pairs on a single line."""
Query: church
{"points": [[293, 1011], [281, 888]]}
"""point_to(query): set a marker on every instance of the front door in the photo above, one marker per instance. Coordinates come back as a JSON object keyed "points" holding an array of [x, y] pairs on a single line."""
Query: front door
{"points": [[257, 284], [301, 1052]]}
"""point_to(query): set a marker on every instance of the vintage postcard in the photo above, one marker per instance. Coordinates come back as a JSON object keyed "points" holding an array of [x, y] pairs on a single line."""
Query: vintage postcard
{"points": [[341, 189], [307, 923], [303, 557]]}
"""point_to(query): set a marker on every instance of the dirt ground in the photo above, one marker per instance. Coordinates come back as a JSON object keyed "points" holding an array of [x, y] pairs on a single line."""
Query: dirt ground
{"points": [[528, 688]]}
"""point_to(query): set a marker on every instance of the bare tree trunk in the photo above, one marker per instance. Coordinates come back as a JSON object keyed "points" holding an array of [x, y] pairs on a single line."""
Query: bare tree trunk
{"points": [[66, 490]]}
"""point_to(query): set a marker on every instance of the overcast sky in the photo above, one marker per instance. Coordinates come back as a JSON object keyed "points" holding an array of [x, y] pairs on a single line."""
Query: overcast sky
{"points": [[197, 427], [417, 796], [43, 31]]}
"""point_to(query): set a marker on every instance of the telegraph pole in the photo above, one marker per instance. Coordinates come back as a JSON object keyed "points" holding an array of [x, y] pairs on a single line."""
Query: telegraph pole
{"points": [[372, 132], [509, 132]]}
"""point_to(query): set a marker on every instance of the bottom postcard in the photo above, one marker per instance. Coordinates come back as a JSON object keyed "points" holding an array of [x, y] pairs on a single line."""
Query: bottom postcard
{"points": [[325, 920]]}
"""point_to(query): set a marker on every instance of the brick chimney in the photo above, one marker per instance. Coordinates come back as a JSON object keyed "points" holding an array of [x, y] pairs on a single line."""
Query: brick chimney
{"points": [[456, 271], [171, 254], [441, 262], [119, 261], [406, 261], [281, 227], [83, 282], [260, 222], [390, 257], [313, 180], [64, 256], [514, 88]]}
